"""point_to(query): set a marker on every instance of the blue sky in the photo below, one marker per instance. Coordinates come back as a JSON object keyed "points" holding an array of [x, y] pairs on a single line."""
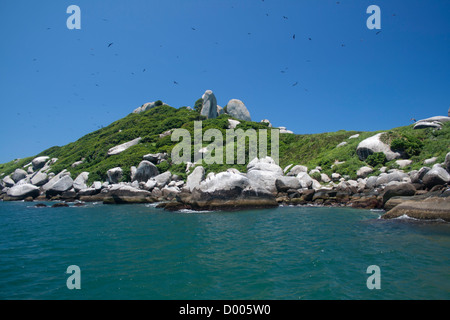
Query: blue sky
{"points": [[57, 85]]}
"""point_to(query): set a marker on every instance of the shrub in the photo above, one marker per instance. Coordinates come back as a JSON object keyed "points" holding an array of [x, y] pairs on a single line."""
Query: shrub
{"points": [[316, 176], [163, 166], [407, 145], [198, 105], [376, 159]]}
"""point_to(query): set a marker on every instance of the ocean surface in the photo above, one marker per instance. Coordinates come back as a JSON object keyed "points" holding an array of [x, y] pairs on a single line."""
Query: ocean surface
{"points": [[141, 252]]}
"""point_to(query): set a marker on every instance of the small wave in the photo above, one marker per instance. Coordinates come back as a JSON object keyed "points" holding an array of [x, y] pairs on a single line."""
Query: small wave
{"points": [[152, 205], [406, 217], [193, 211]]}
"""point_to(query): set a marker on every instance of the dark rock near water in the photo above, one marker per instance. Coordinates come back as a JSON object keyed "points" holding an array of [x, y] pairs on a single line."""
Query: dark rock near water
{"points": [[366, 201], [126, 194], [79, 204], [69, 195], [402, 189], [431, 208], [60, 205], [436, 176]]}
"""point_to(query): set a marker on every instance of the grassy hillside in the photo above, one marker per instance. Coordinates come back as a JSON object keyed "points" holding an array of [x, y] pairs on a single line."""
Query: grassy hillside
{"points": [[310, 150]]}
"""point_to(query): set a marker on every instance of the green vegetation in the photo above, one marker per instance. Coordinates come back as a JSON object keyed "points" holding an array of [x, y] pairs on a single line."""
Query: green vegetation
{"points": [[316, 176], [376, 159], [310, 150], [198, 105]]}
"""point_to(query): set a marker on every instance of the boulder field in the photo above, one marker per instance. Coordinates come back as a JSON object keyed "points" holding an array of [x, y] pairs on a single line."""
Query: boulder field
{"points": [[421, 194]]}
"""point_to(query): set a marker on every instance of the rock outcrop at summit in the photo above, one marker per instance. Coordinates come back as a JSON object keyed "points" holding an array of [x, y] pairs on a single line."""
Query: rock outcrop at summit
{"points": [[237, 109], [148, 106], [209, 107]]}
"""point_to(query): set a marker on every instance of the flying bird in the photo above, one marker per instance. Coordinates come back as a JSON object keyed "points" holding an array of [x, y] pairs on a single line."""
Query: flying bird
{"points": [[284, 17], [378, 32], [309, 39], [175, 82], [193, 28], [110, 44], [293, 37], [412, 119], [295, 84]]}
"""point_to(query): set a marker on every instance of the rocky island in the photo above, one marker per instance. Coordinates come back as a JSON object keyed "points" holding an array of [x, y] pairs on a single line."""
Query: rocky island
{"points": [[405, 171]]}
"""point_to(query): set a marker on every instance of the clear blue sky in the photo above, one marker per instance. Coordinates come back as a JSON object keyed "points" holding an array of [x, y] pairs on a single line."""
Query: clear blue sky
{"points": [[57, 85]]}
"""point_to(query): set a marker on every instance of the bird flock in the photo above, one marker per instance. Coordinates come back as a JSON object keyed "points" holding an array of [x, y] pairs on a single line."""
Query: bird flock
{"points": [[294, 37]]}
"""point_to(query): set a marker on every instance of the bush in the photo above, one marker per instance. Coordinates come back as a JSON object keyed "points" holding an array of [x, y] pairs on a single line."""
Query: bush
{"points": [[198, 105], [407, 145], [163, 166], [316, 176], [376, 159]]}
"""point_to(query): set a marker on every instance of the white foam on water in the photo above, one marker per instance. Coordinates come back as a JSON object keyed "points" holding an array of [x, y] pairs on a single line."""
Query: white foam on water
{"points": [[406, 217], [193, 211], [152, 205]]}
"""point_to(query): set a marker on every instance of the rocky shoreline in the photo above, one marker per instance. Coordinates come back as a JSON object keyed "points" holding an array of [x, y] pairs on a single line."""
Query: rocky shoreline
{"points": [[421, 194]]}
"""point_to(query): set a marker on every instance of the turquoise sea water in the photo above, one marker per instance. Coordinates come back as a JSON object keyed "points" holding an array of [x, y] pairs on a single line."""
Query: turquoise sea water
{"points": [[140, 252]]}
